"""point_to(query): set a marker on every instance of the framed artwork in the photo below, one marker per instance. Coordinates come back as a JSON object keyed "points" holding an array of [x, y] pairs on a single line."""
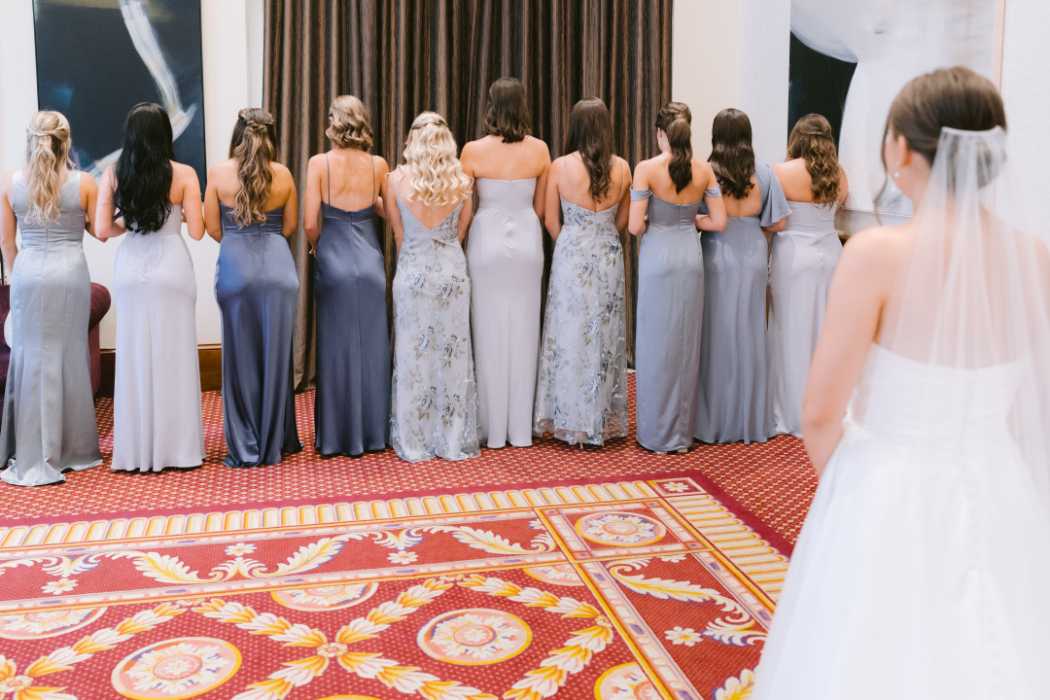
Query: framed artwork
{"points": [[96, 60]]}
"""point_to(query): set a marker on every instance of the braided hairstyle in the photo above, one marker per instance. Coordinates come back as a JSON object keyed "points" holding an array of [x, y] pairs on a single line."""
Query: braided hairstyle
{"points": [[254, 146]]}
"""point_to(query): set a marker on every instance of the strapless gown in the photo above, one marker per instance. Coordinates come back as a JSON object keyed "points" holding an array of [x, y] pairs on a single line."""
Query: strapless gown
{"points": [[922, 568]]}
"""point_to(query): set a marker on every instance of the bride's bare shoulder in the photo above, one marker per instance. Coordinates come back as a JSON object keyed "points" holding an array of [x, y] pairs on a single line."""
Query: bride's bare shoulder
{"points": [[875, 253]]}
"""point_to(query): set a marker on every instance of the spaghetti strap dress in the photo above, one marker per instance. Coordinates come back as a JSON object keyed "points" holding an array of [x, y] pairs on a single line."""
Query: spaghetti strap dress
{"points": [[258, 290], [581, 390], [49, 411], [352, 400]]}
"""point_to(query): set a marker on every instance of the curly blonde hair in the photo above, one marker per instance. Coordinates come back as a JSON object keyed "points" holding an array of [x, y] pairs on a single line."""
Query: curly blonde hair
{"points": [[47, 155], [348, 123], [812, 141], [430, 150], [254, 146]]}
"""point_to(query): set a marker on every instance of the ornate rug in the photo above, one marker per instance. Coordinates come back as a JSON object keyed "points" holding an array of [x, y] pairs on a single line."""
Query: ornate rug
{"points": [[773, 480], [635, 588]]}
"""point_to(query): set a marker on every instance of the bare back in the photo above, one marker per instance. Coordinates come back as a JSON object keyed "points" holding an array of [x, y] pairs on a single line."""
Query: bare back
{"points": [[350, 179], [492, 158], [574, 183], [223, 177], [797, 184], [654, 175]]}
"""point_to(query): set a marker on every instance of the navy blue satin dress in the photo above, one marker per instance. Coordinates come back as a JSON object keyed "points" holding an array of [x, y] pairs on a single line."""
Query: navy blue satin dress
{"points": [[352, 402], [258, 290]]}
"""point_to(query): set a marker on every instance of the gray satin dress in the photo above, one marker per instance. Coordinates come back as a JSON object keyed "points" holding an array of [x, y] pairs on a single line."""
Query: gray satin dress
{"points": [[352, 401], [734, 399], [258, 290], [670, 306], [49, 409]]}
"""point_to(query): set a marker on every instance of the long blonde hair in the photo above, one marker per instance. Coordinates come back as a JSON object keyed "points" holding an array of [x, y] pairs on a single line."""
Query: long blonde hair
{"points": [[254, 146], [438, 178], [47, 155]]}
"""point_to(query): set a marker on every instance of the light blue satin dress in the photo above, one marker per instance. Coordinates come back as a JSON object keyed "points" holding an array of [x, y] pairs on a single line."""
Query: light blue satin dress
{"points": [[49, 409]]}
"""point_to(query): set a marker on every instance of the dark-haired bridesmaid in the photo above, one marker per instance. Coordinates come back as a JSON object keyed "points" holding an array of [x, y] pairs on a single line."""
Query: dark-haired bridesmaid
{"points": [[505, 260], [157, 389], [250, 207], [352, 401], [734, 396], [581, 389], [669, 190]]}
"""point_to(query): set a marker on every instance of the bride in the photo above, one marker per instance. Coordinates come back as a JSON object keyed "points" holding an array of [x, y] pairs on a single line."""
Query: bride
{"points": [[923, 566]]}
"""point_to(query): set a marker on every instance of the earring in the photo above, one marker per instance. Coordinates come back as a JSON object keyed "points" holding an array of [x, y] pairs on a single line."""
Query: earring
{"points": [[896, 175]]}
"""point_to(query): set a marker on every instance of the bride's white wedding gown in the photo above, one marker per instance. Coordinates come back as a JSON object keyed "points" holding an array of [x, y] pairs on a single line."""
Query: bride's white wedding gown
{"points": [[923, 568]]}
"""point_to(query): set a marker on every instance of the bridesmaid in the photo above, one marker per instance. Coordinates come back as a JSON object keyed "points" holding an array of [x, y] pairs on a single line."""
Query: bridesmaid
{"points": [[157, 390], [428, 203], [802, 262], [352, 401], [257, 290], [669, 190], [734, 396], [505, 260], [581, 393], [49, 411]]}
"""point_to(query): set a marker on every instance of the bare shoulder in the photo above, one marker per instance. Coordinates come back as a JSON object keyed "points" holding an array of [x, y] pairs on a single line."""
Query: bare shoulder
{"points": [[87, 184], [539, 146], [875, 250], [184, 173], [314, 162], [380, 164], [281, 170], [7, 183]]}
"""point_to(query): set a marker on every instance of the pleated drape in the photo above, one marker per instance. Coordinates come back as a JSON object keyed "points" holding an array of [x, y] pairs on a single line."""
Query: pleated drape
{"points": [[402, 57]]}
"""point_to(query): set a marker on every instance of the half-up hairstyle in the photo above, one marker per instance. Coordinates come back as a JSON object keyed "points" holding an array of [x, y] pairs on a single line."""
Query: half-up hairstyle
{"points": [[144, 173], [957, 98], [812, 141], [254, 146], [732, 156], [590, 133], [348, 123], [47, 155], [437, 174], [675, 120], [508, 113]]}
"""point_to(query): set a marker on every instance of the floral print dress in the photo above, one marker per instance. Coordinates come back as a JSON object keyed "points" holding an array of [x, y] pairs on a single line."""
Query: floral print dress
{"points": [[581, 391], [433, 403]]}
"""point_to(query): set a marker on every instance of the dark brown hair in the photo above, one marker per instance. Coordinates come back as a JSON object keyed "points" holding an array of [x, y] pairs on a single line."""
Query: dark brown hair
{"points": [[732, 156], [508, 113], [590, 133], [954, 97], [812, 141], [675, 120], [254, 146]]}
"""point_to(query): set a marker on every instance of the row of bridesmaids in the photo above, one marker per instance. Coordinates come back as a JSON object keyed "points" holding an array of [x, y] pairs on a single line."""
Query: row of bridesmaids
{"points": [[703, 365]]}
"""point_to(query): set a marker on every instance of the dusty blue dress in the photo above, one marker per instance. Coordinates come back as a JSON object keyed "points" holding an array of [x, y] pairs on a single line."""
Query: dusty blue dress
{"points": [[734, 399], [670, 305], [352, 401], [257, 290], [49, 410]]}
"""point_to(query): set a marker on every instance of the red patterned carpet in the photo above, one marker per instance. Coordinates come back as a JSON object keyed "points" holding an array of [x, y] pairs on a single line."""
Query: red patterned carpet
{"points": [[774, 481], [640, 589]]}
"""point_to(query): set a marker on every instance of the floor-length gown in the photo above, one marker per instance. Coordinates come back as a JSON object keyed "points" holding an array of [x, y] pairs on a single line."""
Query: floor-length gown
{"points": [[670, 306], [257, 289], [433, 404], [922, 568], [352, 401], [49, 412], [734, 400], [581, 389], [802, 262], [505, 260], [157, 386]]}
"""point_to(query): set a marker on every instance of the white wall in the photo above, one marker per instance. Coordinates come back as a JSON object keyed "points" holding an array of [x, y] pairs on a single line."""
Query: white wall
{"points": [[232, 51], [733, 53]]}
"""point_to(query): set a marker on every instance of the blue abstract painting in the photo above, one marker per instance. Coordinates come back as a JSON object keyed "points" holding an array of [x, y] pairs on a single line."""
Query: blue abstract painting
{"points": [[96, 60]]}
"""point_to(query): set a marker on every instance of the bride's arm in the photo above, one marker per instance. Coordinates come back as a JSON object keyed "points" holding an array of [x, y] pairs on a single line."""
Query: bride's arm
{"points": [[851, 322]]}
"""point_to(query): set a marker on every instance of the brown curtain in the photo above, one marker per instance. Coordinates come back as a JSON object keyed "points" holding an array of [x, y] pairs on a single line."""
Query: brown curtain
{"points": [[402, 57]]}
